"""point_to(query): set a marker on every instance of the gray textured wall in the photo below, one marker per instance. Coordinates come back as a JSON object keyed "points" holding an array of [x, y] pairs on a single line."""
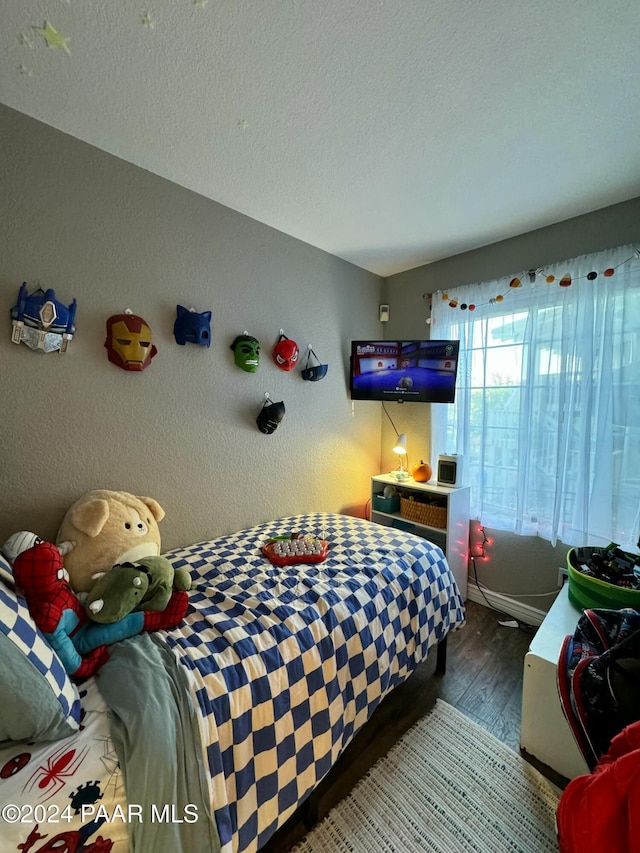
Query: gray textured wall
{"points": [[183, 431], [517, 564]]}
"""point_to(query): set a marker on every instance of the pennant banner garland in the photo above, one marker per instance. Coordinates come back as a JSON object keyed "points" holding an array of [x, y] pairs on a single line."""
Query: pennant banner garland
{"points": [[566, 281]]}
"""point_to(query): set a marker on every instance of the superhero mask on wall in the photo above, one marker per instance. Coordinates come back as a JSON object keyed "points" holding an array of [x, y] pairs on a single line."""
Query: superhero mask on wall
{"points": [[270, 416], [128, 341], [285, 352], [192, 327], [41, 322], [314, 372], [246, 352]]}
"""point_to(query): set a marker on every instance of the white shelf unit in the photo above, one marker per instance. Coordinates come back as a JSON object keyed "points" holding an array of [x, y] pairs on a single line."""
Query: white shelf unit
{"points": [[453, 537]]}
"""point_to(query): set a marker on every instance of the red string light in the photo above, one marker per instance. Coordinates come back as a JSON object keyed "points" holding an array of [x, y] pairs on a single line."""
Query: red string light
{"points": [[478, 551]]}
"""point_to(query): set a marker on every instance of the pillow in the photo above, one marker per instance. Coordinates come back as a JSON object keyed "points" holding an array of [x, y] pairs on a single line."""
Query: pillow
{"points": [[39, 700], [6, 572]]}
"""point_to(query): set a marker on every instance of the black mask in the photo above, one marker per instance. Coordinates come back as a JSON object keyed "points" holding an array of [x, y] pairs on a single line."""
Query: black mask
{"points": [[270, 416]]}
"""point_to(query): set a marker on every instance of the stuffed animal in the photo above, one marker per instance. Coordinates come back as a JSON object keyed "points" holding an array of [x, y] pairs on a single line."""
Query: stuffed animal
{"points": [[127, 587], [78, 639], [117, 593], [55, 608], [108, 527]]}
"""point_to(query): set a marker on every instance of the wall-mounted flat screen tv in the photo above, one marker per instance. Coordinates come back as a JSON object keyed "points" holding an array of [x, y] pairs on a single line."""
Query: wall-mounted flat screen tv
{"points": [[404, 371]]}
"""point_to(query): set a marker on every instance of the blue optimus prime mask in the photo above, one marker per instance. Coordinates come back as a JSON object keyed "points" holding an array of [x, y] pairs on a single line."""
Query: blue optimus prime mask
{"points": [[41, 322]]}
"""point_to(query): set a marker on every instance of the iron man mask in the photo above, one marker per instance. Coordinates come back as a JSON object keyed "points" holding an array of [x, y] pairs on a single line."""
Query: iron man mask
{"points": [[128, 342]]}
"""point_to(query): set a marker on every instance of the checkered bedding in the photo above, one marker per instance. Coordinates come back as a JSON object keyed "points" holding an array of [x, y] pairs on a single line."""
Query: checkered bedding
{"points": [[286, 664]]}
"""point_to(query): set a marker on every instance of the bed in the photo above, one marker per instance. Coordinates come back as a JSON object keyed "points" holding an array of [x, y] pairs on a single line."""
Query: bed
{"points": [[209, 736]]}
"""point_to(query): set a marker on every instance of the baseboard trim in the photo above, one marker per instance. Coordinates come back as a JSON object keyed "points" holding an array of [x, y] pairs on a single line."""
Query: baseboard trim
{"points": [[515, 609]]}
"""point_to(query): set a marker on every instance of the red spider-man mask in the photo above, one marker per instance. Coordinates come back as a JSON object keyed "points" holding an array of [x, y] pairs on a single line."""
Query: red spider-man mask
{"points": [[285, 353]]}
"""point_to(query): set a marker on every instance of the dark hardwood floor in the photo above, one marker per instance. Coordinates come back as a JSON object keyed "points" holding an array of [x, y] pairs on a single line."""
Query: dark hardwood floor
{"points": [[483, 680]]}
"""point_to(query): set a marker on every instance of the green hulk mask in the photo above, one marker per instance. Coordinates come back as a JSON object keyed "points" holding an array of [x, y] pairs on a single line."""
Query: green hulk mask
{"points": [[246, 351]]}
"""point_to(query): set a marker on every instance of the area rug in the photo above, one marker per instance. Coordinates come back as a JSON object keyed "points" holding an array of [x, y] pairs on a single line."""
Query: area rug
{"points": [[447, 786]]}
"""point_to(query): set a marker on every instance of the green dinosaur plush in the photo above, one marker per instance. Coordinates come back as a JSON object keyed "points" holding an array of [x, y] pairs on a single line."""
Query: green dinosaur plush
{"points": [[144, 585]]}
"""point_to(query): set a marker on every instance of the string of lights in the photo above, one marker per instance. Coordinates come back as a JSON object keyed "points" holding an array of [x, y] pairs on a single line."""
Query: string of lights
{"points": [[533, 275], [478, 551]]}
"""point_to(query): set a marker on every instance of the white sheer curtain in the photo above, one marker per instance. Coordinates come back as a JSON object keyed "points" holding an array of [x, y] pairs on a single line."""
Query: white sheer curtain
{"points": [[547, 411]]}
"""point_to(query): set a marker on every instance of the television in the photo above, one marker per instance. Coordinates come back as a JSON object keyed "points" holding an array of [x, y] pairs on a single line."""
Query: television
{"points": [[404, 371]]}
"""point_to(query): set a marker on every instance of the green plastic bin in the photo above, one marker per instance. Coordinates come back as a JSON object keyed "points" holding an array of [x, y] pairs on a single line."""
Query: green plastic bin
{"points": [[589, 592]]}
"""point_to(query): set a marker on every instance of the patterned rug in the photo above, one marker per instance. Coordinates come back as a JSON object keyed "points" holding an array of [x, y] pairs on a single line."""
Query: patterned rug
{"points": [[447, 786]]}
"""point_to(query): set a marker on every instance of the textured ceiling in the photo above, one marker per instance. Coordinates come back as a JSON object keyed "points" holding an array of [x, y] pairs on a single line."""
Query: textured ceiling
{"points": [[391, 133]]}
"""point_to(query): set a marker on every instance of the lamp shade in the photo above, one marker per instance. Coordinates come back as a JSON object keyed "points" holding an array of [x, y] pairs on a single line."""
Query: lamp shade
{"points": [[400, 447]]}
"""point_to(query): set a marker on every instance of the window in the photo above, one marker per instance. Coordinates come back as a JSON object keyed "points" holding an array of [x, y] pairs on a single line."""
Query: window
{"points": [[547, 411]]}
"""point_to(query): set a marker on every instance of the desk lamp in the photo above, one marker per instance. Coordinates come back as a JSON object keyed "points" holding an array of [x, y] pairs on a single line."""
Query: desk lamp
{"points": [[400, 447]]}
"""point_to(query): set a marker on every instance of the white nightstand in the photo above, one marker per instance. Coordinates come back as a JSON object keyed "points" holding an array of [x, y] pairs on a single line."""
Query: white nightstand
{"points": [[544, 731]]}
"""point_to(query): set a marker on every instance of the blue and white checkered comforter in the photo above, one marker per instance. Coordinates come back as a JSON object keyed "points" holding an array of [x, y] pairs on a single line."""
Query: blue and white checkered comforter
{"points": [[286, 664]]}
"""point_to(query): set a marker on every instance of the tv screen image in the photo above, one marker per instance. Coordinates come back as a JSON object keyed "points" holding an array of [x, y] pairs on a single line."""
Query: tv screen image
{"points": [[404, 371]]}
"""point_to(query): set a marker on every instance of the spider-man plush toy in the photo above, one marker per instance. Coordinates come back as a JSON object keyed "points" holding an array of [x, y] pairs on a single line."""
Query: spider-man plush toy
{"points": [[57, 611], [55, 607]]}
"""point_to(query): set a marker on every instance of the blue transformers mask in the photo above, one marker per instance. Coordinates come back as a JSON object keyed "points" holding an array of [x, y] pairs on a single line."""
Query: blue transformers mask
{"points": [[41, 322]]}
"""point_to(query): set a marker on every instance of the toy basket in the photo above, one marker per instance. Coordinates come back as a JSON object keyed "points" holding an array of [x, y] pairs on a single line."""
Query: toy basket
{"points": [[591, 592], [428, 514]]}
